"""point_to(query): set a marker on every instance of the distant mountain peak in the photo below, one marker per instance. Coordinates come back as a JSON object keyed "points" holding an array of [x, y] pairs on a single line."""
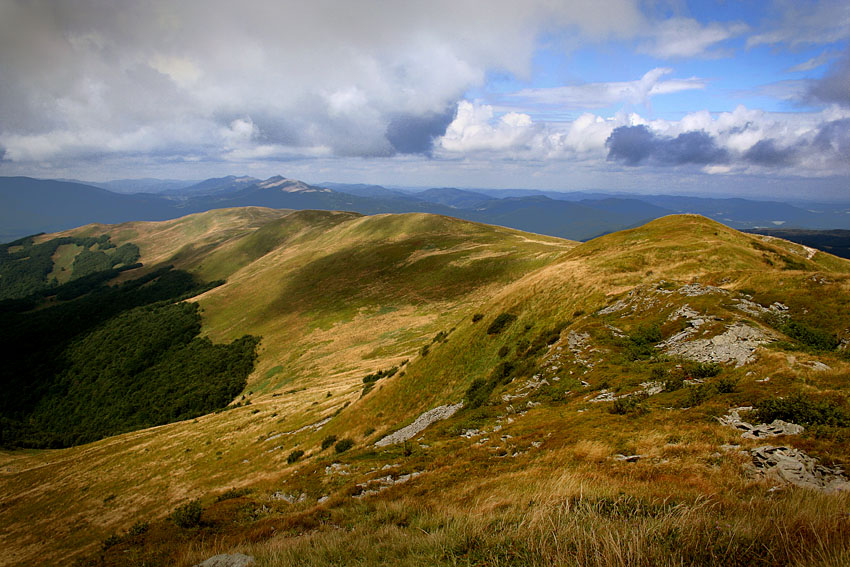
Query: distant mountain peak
{"points": [[290, 185]]}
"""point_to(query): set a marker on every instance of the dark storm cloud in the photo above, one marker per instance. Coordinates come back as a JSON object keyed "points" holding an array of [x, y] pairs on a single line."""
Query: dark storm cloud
{"points": [[833, 139], [412, 134], [634, 145], [834, 87], [768, 153]]}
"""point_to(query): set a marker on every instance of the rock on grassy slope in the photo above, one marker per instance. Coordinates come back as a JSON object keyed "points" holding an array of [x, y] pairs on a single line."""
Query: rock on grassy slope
{"points": [[593, 378]]}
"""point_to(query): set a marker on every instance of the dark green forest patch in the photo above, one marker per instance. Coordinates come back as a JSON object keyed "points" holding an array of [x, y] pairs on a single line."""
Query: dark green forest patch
{"points": [[25, 267], [95, 360]]}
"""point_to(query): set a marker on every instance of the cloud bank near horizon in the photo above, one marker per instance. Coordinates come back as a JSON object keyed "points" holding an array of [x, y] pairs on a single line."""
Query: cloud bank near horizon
{"points": [[175, 85]]}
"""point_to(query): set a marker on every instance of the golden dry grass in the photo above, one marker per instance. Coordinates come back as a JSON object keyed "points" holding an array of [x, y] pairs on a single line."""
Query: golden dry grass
{"points": [[551, 493]]}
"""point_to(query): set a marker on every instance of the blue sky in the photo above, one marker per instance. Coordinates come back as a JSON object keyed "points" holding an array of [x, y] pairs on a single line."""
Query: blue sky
{"points": [[721, 97]]}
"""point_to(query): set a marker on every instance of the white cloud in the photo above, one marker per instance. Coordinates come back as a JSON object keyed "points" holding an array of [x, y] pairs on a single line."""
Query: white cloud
{"points": [[600, 95], [755, 141], [818, 23], [87, 76], [813, 63], [685, 37]]}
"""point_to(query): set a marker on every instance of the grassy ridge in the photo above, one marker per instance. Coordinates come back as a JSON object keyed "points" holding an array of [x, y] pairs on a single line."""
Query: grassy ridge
{"points": [[340, 297]]}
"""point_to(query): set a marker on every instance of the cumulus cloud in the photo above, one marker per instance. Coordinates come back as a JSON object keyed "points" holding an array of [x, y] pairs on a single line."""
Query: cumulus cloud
{"points": [[78, 78], [600, 95], [686, 37], [741, 141]]}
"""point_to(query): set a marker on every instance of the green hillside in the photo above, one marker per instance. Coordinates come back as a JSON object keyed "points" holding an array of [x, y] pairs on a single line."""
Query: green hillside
{"points": [[600, 384]]}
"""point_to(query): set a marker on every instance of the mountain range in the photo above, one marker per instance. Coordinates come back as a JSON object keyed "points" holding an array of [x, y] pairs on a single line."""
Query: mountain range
{"points": [[32, 206]]}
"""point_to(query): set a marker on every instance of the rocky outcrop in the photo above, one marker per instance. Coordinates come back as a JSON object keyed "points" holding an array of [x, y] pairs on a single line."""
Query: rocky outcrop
{"points": [[792, 466], [228, 560], [749, 431], [423, 421], [737, 344]]}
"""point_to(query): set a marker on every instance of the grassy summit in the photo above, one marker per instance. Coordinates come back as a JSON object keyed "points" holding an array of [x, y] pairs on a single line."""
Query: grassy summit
{"points": [[592, 377]]}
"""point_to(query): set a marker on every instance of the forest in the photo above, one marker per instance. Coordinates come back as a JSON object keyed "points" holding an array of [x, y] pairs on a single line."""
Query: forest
{"points": [[84, 360]]}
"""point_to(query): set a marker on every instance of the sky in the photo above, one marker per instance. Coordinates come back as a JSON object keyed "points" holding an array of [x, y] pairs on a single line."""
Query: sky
{"points": [[721, 97]]}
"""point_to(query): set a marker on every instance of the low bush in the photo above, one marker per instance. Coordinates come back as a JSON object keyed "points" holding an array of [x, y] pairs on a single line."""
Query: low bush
{"points": [[803, 410], [232, 493], [294, 456], [726, 385], [500, 323], [477, 317], [188, 515], [814, 339], [633, 404], [641, 344], [138, 528], [343, 445], [328, 441]]}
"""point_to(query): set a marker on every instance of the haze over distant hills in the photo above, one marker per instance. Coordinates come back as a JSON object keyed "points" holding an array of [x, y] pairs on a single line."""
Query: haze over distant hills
{"points": [[32, 206]]}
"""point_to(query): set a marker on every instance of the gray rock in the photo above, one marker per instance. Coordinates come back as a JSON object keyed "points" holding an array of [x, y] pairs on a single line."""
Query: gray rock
{"points": [[749, 431], [228, 560], [421, 422], [792, 466], [737, 344], [628, 458]]}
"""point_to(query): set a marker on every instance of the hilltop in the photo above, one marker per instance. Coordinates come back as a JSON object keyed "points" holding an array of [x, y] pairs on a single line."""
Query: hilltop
{"points": [[435, 391]]}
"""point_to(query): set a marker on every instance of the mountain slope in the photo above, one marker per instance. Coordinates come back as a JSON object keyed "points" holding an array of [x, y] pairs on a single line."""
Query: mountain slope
{"points": [[588, 435], [32, 205]]}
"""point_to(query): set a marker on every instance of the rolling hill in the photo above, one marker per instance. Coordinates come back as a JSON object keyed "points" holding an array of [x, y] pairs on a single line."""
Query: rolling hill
{"points": [[578, 401]]}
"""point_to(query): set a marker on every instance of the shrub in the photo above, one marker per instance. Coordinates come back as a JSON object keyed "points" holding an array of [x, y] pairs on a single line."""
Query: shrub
{"points": [[676, 382], [424, 350], [343, 445], [630, 404], [138, 528], [110, 541], [726, 385], [232, 493], [702, 369], [815, 339], [294, 456], [503, 352], [188, 515], [803, 410], [699, 393], [477, 317], [499, 323], [328, 441], [641, 343]]}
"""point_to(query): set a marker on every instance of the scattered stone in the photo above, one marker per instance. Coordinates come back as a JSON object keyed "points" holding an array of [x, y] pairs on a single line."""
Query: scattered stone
{"points": [[376, 485], [289, 498], [775, 428], [618, 333], [421, 422], [792, 466], [613, 308], [816, 365], [323, 499], [695, 289], [684, 311], [737, 344], [628, 458], [228, 560], [337, 468], [314, 426]]}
